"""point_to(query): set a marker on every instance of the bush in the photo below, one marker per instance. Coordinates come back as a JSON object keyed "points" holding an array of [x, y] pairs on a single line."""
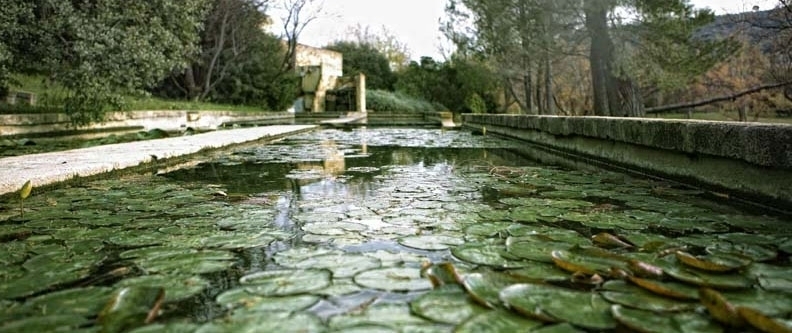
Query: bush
{"points": [[380, 100]]}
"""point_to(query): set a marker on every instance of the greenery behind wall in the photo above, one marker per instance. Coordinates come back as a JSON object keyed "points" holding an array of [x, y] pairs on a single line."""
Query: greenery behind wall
{"points": [[566, 57]]}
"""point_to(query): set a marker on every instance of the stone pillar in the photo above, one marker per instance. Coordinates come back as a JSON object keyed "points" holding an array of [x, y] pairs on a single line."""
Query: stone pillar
{"points": [[360, 94]]}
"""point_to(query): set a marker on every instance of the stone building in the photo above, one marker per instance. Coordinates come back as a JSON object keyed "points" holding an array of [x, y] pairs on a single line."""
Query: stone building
{"points": [[320, 70]]}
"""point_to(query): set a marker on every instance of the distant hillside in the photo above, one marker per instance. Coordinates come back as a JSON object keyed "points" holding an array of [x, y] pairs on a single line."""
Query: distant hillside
{"points": [[758, 27]]}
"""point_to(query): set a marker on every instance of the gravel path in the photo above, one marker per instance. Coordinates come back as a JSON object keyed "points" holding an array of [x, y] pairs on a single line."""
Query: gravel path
{"points": [[48, 168]]}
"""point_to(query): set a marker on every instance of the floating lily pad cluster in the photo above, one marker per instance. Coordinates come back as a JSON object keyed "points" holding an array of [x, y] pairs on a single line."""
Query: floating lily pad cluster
{"points": [[77, 248], [402, 240]]}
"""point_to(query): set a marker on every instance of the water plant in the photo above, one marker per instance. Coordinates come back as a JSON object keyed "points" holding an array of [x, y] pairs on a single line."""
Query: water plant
{"points": [[24, 192]]}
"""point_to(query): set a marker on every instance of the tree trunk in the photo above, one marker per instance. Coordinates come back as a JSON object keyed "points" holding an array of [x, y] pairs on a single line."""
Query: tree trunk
{"points": [[601, 58], [548, 85], [528, 88], [193, 90]]}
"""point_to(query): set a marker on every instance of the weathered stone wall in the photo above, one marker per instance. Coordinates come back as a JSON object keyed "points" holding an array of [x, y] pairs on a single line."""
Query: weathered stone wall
{"points": [[751, 161], [26, 124], [331, 64]]}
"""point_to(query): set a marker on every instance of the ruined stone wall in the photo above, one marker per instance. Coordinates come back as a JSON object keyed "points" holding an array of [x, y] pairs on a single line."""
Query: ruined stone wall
{"points": [[331, 64]]}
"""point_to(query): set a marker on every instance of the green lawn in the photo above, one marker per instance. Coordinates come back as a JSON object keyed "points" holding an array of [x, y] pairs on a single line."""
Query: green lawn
{"points": [[50, 100]]}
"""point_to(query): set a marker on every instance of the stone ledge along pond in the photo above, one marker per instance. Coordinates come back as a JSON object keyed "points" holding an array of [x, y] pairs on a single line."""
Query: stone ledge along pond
{"points": [[389, 230]]}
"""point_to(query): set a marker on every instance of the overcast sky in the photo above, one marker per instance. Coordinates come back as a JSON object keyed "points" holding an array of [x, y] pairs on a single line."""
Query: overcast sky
{"points": [[415, 22]]}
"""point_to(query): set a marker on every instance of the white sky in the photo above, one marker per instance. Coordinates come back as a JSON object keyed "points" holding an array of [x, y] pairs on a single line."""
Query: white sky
{"points": [[415, 22]]}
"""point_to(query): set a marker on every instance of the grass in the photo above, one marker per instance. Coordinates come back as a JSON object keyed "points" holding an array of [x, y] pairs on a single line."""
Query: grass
{"points": [[50, 99]]}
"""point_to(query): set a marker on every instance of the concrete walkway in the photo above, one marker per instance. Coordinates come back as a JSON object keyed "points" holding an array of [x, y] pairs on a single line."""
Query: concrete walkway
{"points": [[49, 168]]}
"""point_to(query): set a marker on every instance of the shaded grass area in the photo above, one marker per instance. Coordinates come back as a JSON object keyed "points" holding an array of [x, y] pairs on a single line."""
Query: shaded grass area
{"points": [[50, 99]]}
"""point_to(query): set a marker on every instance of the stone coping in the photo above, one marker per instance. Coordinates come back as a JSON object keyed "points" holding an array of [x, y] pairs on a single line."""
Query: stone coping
{"points": [[49, 168], [761, 144]]}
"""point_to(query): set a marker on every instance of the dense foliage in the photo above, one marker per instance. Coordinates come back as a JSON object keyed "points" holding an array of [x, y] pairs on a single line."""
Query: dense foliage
{"points": [[237, 63], [100, 50], [381, 100], [460, 85], [364, 58], [537, 48]]}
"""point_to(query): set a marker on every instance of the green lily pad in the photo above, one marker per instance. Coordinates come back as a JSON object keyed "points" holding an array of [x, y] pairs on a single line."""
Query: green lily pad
{"points": [[177, 287], [138, 238], [286, 282], [539, 272], [755, 239], [395, 316], [588, 260], [666, 288], [522, 214], [767, 302], [51, 323], [130, 307], [188, 262], [240, 297], [554, 304], [651, 322], [236, 241], [167, 328], [388, 258], [30, 283], [612, 221], [276, 321], [487, 229], [448, 304], [711, 280], [489, 255], [536, 248], [430, 242], [713, 262], [340, 287], [334, 228], [619, 292], [484, 289], [498, 321], [343, 265], [393, 279], [750, 251], [80, 301], [152, 252], [786, 246], [558, 328]]}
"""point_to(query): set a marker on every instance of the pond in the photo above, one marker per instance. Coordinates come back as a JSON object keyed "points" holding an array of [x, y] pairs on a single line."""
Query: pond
{"points": [[389, 230]]}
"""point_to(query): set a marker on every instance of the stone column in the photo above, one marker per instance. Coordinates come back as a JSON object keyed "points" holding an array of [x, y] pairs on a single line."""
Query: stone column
{"points": [[360, 94]]}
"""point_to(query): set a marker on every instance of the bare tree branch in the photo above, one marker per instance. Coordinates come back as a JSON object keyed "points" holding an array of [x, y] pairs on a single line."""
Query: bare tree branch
{"points": [[679, 106]]}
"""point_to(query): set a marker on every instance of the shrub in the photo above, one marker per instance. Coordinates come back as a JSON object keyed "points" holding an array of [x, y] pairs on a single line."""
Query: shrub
{"points": [[381, 100]]}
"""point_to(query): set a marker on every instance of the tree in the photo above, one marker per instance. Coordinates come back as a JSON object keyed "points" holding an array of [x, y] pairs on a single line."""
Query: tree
{"points": [[528, 39], [101, 50], [259, 79], [231, 29], [458, 84], [299, 14], [238, 63], [384, 41], [364, 58], [13, 33]]}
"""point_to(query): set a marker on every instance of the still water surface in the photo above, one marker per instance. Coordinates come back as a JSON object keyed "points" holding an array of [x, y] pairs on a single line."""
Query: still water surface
{"points": [[348, 230]]}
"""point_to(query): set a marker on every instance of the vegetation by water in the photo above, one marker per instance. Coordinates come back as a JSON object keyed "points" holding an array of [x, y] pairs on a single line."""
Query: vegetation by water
{"points": [[638, 58], [389, 230]]}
